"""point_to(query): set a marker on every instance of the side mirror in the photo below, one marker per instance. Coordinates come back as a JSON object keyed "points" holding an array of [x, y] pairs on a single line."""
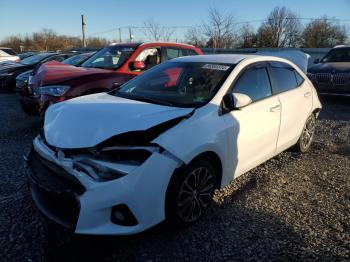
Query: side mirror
{"points": [[137, 65], [316, 61], [235, 101]]}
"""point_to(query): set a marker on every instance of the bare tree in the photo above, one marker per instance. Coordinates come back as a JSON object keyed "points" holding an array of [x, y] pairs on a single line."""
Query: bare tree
{"points": [[47, 39], [247, 36], [156, 32], [219, 29], [324, 33], [281, 29], [194, 36]]}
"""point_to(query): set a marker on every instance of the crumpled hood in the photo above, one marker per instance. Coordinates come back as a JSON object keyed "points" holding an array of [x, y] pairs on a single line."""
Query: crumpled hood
{"points": [[56, 73], [340, 67], [89, 120]]}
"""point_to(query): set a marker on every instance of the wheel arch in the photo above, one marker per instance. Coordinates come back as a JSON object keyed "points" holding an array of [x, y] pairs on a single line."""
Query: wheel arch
{"points": [[211, 157]]}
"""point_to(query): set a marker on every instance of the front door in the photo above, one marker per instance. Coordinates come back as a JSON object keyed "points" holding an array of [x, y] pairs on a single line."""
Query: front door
{"points": [[256, 125]]}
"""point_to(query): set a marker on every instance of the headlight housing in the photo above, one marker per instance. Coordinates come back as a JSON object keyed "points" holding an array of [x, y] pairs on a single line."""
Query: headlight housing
{"points": [[56, 90], [113, 162]]}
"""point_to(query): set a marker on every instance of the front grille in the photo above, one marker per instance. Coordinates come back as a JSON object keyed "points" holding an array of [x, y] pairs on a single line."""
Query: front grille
{"points": [[341, 78], [336, 79], [54, 191], [323, 77], [52, 176]]}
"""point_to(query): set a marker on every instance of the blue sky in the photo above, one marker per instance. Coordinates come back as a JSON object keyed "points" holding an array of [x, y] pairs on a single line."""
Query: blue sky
{"points": [[63, 16]]}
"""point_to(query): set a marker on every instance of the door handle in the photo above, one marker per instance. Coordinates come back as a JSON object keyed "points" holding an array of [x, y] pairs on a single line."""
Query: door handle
{"points": [[275, 108], [307, 94]]}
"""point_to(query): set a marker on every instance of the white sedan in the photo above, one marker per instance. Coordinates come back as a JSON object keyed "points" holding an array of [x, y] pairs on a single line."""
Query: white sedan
{"points": [[157, 147]]}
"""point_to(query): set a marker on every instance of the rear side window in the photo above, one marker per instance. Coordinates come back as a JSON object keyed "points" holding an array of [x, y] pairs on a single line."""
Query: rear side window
{"points": [[284, 77], [191, 52], [172, 53], [254, 83]]}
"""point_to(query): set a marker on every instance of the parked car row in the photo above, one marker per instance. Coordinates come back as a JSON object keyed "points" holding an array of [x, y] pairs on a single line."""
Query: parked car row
{"points": [[9, 72], [107, 69], [174, 126]]}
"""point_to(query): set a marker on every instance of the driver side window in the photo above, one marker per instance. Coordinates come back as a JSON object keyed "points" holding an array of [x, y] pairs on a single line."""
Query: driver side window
{"points": [[254, 83], [150, 56]]}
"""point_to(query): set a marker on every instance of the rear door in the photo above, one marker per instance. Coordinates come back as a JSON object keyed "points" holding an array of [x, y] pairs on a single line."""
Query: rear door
{"points": [[295, 96]]}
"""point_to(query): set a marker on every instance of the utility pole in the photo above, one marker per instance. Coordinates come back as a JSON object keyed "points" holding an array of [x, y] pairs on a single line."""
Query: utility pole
{"points": [[120, 34], [131, 37], [83, 29]]}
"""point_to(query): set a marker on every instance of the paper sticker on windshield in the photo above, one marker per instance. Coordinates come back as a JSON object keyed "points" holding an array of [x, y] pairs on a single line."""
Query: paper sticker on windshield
{"points": [[216, 67]]}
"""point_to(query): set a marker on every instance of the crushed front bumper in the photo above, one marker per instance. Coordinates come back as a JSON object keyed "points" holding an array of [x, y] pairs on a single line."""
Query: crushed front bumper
{"points": [[142, 191], [53, 191]]}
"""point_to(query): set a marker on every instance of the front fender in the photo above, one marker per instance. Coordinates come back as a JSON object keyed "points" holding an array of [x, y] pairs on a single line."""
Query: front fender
{"points": [[204, 131]]}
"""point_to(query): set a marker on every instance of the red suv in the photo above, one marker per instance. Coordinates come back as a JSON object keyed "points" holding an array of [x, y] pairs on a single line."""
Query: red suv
{"points": [[107, 69]]}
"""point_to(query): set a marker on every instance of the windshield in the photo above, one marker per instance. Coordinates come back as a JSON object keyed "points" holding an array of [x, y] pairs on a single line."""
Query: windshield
{"points": [[35, 59], [337, 55], [8, 51], [76, 59], [182, 84], [111, 57]]}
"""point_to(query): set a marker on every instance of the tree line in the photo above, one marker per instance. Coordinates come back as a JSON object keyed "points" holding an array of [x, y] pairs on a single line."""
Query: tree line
{"points": [[48, 40], [282, 28]]}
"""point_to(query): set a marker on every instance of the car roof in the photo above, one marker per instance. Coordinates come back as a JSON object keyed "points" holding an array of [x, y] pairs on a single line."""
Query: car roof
{"points": [[160, 43], [223, 58], [124, 44]]}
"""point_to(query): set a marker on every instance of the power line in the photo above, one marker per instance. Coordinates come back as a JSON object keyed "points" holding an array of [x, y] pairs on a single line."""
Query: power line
{"points": [[198, 26]]}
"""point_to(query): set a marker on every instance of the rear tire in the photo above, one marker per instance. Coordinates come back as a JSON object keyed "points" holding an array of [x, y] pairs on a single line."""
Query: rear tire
{"points": [[307, 135], [190, 193]]}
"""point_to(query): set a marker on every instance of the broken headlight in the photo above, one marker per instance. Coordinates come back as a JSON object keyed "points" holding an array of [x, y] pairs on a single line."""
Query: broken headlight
{"points": [[113, 162]]}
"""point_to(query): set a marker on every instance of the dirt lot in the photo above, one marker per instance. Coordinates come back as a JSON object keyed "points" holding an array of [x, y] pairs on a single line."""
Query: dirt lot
{"points": [[293, 207]]}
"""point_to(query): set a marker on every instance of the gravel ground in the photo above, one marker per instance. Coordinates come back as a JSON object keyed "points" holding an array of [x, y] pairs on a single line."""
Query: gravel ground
{"points": [[293, 207]]}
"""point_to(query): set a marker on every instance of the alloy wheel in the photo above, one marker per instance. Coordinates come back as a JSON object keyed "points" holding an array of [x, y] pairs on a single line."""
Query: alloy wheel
{"points": [[195, 194], [308, 132]]}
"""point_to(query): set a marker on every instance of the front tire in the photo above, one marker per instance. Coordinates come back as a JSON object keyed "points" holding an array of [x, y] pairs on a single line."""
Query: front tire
{"points": [[307, 135], [190, 193]]}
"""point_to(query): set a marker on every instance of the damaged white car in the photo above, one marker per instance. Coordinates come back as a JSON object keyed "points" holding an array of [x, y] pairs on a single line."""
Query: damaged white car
{"points": [[157, 147]]}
